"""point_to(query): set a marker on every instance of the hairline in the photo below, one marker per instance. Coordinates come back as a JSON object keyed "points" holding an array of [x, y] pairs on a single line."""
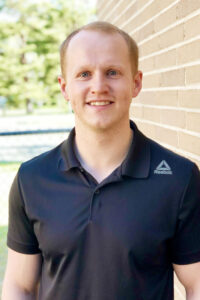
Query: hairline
{"points": [[111, 30]]}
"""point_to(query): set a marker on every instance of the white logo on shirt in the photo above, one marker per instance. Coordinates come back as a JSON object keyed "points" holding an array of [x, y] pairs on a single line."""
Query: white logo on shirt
{"points": [[163, 168]]}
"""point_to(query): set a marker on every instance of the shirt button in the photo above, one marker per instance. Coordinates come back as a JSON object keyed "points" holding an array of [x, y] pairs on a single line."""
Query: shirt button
{"points": [[97, 191], [81, 169]]}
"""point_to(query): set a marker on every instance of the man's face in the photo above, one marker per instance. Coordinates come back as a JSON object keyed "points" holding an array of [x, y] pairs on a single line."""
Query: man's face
{"points": [[99, 81]]}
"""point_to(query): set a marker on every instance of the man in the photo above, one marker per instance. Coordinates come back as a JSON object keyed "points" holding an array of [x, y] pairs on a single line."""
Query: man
{"points": [[108, 214]]}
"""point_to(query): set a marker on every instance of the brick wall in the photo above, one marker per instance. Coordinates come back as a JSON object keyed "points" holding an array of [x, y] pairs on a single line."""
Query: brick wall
{"points": [[168, 35]]}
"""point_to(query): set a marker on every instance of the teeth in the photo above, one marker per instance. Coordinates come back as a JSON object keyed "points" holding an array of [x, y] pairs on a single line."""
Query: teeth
{"points": [[100, 103]]}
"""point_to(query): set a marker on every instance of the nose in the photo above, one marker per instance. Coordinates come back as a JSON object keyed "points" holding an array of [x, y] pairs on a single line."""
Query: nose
{"points": [[99, 84]]}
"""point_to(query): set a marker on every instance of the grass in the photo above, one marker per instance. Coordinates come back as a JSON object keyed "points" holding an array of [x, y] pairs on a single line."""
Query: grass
{"points": [[9, 166], [3, 252], [49, 110], [6, 169]]}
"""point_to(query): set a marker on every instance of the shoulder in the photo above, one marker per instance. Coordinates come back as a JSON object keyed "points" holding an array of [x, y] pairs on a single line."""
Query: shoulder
{"points": [[162, 163], [159, 152], [41, 164], [171, 165]]}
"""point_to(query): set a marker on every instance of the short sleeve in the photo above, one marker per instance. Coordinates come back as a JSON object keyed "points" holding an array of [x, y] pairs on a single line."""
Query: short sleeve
{"points": [[186, 242], [21, 237]]}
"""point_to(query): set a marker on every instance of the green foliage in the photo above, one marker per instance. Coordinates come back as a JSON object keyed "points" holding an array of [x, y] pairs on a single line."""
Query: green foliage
{"points": [[29, 47]]}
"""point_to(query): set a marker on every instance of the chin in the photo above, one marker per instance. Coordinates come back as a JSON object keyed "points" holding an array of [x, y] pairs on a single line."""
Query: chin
{"points": [[101, 126]]}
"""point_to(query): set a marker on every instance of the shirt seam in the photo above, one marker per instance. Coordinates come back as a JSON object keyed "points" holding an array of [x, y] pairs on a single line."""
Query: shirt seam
{"points": [[181, 201], [189, 253], [19, 187], [19, 243]]}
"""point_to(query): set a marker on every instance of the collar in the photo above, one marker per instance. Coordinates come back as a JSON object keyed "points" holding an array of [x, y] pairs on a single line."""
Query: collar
{"points": [[137, 161], [68, 158], [136, 164]]}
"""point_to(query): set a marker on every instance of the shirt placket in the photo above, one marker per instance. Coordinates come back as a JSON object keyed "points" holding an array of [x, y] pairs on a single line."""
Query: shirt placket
{"points": [[94, 204]]}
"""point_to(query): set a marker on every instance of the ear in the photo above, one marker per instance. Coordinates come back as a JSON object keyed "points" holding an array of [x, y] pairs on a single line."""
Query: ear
{"points": [[137, 83], [63, 86]]}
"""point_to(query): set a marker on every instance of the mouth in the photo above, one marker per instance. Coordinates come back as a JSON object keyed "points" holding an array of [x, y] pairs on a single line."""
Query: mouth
{"points": [[99, 103]]}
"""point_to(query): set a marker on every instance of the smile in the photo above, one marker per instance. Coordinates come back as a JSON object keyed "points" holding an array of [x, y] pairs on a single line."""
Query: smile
{"points": [[99, 103]]}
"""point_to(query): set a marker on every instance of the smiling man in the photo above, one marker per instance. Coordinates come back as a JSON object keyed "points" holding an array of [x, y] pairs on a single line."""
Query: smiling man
{"points": [[100, 81], [109, 214]]}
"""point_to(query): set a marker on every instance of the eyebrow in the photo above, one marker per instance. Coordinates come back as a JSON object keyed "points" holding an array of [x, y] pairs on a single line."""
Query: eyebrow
{"points": [[88, 67]]}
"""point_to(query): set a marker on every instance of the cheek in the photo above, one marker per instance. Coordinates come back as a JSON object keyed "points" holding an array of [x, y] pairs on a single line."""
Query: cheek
{"points": [[125, 91], [77, 91], [123, 86]]}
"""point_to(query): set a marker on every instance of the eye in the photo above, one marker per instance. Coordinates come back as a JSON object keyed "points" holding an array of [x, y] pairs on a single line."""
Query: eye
{"points": [[112, 73], [84, 74]]}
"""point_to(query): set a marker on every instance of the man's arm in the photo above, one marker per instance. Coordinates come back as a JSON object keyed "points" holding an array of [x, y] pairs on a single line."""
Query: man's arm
{"points": [[189, 276], [22, 276]]}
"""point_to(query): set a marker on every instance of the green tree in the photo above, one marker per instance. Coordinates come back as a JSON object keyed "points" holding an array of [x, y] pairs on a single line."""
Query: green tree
{"points": [[29, 47]]}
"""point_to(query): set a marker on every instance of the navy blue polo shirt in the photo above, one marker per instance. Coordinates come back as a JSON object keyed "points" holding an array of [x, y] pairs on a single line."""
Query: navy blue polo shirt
{"points": [[114, 240]]}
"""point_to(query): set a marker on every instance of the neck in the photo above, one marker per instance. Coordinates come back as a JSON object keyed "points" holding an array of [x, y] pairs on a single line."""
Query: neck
{"points": [[101, 152]]}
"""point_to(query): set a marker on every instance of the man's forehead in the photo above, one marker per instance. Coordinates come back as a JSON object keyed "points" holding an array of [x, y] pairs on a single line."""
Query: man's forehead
{"points": [[97, 36], [97, 49]]}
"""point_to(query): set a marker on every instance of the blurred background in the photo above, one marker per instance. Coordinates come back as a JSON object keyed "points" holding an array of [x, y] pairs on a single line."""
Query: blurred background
{"points": [[30, 35], [33, 115]]}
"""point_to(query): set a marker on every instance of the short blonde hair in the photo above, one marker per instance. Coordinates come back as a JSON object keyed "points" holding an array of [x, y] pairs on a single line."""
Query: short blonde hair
{"points": [[104, 27]]}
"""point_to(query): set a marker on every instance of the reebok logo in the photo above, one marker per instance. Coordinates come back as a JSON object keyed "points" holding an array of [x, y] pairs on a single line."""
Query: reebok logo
{"points": [[163, 168]]}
